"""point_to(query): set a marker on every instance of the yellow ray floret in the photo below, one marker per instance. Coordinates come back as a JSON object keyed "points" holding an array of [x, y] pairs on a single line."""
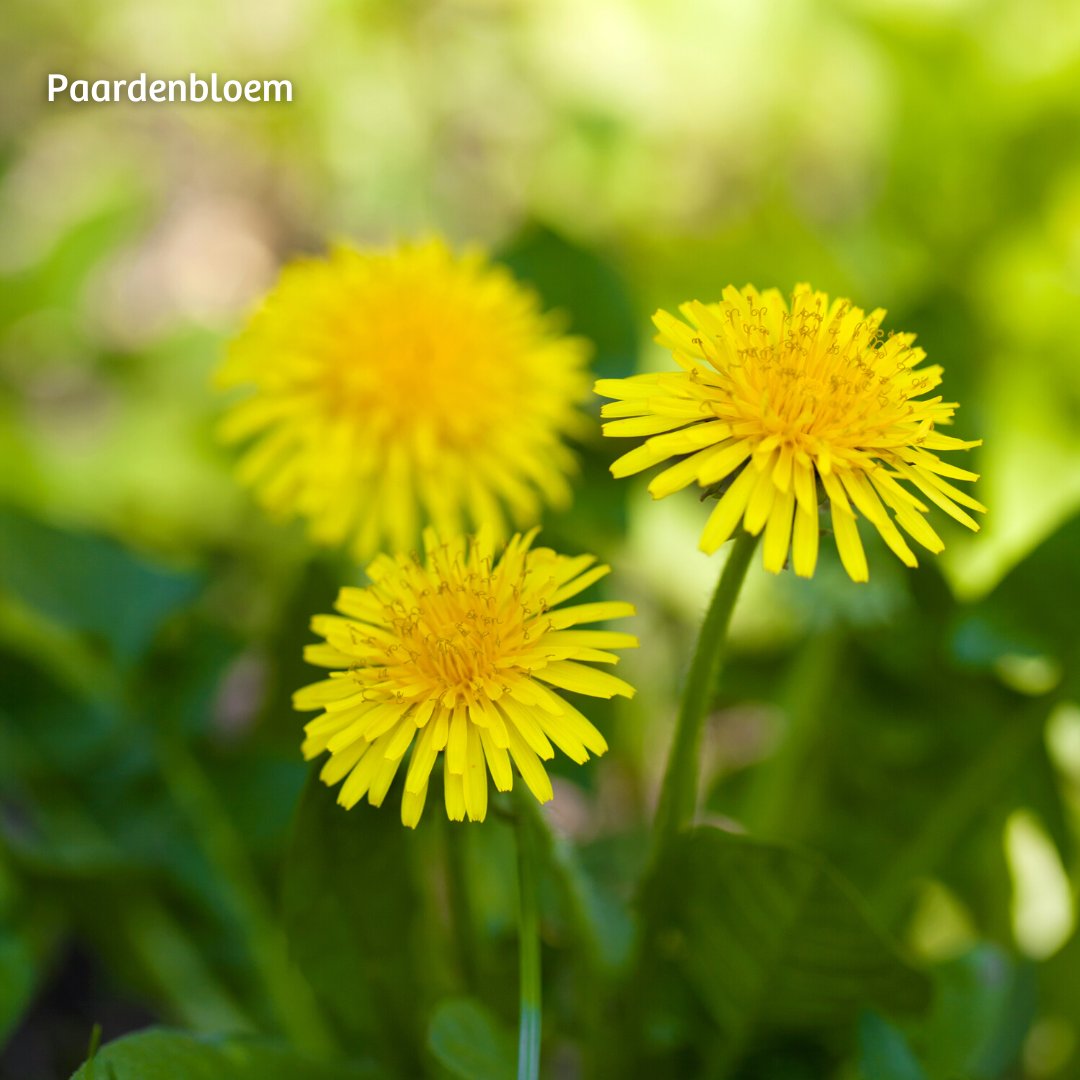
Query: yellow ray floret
{"points": [[786, 405], [393, 388], [461, 654]]}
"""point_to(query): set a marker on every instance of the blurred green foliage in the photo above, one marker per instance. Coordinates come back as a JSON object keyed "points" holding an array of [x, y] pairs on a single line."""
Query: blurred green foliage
{"points": [[903, 759]]}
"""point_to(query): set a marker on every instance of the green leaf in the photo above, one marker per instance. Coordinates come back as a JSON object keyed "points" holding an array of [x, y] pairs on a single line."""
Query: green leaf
{"points": [[88, 583], [1059, 995], [18, 977], [159, 1054], [984, 1005], [27, 939], [982, 1011], [352, 912], [587, 288], [769, 939], [884, 1053], [1025, 615], [470, 1042], [910, 761]]}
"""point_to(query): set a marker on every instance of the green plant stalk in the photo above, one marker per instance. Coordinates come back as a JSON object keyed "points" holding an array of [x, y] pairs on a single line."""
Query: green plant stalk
{"points": [[529, 946], [557, 856], [292, 1000], [678, 795]]}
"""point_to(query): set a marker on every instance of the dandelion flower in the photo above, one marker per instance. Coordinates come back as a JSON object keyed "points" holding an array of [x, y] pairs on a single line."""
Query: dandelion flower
{"points": [[396, 388], [784, 406], [463, 654]]}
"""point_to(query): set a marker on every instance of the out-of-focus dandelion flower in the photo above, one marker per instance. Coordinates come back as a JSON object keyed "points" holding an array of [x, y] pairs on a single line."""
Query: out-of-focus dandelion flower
{"points": [[782, 406], [393, 388], [459, 653]]}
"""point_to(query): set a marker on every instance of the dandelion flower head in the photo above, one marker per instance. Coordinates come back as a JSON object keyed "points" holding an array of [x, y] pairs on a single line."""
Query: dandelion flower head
{"points": [[464, 654], [393, 388], [783, 406]]}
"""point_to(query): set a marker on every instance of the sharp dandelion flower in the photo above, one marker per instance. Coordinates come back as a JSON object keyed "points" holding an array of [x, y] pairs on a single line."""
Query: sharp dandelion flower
{"points": [[460, 653], [786, 405]]}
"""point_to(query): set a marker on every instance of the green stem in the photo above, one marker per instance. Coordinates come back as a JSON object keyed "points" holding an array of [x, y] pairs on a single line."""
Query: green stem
{"points": [[291, 998], [529, 947], [558, 858], [678, 796], [461, 909]]}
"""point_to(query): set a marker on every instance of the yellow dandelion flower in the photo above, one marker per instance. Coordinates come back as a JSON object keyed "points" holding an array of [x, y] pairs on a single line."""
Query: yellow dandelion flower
{"points": [[458, 653], [393, 388], [782, 405]]}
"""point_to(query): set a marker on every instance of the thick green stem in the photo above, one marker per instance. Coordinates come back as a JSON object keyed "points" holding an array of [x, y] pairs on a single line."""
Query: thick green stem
{"points": [[529, 947], [678, 796]]}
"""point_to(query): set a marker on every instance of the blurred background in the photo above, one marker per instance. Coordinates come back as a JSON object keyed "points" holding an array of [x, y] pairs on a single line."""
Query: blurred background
{"points": [[621, 155]]}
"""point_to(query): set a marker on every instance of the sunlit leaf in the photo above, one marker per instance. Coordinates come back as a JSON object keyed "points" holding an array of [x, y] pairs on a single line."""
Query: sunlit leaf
{"points": [[159, 1054], [88, 583]]}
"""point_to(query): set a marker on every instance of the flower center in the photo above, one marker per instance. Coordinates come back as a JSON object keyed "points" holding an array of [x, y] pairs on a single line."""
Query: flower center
{"points": [[806, 383], [433, 366], [463, 635]]}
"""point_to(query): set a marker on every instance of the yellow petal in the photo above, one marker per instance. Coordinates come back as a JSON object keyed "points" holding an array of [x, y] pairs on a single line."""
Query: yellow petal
{"points": [[600, 611], [584, 680], [728, 510], [475, 785], [528, 764], [778, 532], [805, 541], [498, 761], [454, 795], [412, 806]]}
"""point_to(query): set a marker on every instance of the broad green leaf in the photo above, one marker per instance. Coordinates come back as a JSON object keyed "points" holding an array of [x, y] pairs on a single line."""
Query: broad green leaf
{"points": [[27, 939], [884, 1053], [57, 281], [1059, 997], [1026, 614], [352, 910], [160, 1054], [982, 1010], [470, 1042], [18, 977], [906, 762], [769, 939], [88, 583], [586, 288]]}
